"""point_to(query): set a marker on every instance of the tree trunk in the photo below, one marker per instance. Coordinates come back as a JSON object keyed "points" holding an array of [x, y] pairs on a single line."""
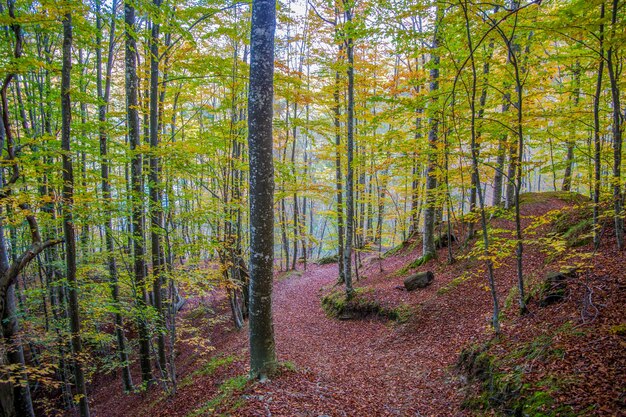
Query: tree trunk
{"points": [[347, 254], [137, 218], [596, 135], [103, 96], [428, 243], [68, 222], [338, 177], [156, 211], [476, 175], [614, 69], [571, 143], [260, 110]]}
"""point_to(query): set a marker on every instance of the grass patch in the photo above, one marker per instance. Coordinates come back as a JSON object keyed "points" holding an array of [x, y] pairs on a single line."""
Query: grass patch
{"points": [[287, 366], [466, 276], [543, 197], [207, 369], [415, 264], [618, 329], [202, 311], [225, 394], [579, 234], [362, 305]]}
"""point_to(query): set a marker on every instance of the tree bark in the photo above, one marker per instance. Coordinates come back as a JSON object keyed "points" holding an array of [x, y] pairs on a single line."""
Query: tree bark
{"points": [[103, 97], [347, 253], [156, 211], [260, 111], [428, 243], [68, 222], [614, 66], [596, 134], [137, 218]]}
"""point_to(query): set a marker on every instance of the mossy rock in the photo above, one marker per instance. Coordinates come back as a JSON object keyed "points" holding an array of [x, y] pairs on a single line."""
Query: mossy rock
{"points": [[443, 241], [361, 305], [419, 280], [330, 259], [554, 287]]}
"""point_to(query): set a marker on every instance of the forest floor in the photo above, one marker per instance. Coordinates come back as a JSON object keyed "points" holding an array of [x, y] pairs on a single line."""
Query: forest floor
{"points": [[572, 352]]}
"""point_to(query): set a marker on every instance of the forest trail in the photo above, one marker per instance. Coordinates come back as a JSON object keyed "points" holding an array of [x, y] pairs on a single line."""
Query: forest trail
{"points": [[368, 366]]}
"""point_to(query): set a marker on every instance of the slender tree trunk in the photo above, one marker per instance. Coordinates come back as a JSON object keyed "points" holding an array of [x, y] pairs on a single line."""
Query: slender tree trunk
{"points": [[476, 174], [296, 209], [499, 170], [68, 223], [338, 178], [571, 143], [103, 96], [260, 110], [596, 135], [347, 254], [156, 211], [614, 70], [137, 218]]}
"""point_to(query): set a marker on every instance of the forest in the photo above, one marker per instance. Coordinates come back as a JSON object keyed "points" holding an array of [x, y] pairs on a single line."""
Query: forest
{"points": [[312, 208]]}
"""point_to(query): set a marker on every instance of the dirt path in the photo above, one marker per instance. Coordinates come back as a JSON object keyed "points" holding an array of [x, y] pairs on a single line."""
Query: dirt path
{"points": [[369, 367]]}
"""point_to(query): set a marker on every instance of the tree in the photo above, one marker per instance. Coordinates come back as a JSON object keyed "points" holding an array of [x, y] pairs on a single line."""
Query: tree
{"points": [[428, 243], [137, 217], [68, 224], [104, 92], [347, 252], [260, 142]]}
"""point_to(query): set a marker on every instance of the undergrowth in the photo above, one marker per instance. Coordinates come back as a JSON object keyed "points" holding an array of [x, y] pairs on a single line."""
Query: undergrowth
{"points": [[224, 397], [207, 369], [498, 383]]}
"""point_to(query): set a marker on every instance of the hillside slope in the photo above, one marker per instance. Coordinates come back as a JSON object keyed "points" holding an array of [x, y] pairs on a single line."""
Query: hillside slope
{"points": [[566, 358]]}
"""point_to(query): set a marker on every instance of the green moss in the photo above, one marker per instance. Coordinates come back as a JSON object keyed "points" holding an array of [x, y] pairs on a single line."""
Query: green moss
{"points": [[202, 311], [542, 197], [414, 264], [454, 283], [290, 274], [225, 394], [618, 329], [500, 380], [580, 233], [331, 259], [288, 366], [396, 250], [207, 369], [361, 305]]}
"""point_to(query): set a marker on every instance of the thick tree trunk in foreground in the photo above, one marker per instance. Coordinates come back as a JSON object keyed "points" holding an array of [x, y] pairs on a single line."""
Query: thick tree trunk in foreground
{"points": [[428, 243], [68, 223], [260, 112]]}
